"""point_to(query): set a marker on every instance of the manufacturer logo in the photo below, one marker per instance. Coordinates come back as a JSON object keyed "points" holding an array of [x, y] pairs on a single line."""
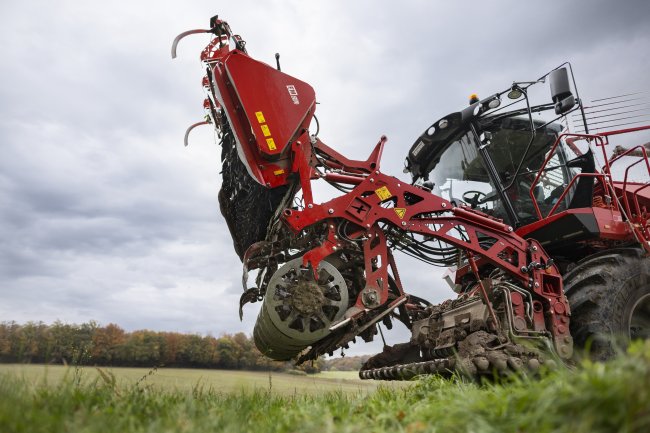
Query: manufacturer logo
{"points": [[293, 93]]}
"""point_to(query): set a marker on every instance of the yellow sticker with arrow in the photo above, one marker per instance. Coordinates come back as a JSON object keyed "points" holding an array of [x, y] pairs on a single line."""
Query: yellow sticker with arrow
{"points": [[400, 211]]}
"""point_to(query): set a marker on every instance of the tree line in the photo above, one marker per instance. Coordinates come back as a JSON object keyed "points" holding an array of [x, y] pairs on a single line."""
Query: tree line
{"points": [[110, 345]]}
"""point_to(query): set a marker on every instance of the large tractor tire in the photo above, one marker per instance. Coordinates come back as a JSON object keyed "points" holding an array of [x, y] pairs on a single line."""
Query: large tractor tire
{"points": [[609, 296]]}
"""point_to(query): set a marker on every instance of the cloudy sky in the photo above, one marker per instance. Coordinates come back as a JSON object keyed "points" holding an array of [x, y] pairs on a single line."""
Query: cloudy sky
{"points": [[105, 216]]}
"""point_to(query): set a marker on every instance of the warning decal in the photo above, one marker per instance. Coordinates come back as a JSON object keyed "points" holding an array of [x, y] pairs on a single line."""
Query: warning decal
{"points": [[266, 131], [400, 211], [383, 193], [270, 143], [260, 117]]}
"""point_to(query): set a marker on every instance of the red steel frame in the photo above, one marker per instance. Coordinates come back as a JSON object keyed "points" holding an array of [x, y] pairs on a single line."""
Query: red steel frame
{"points": [[431, 215]]}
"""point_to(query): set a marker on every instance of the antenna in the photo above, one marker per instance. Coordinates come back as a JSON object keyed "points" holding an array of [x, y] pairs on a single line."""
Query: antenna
{"points": [[277, 61]]}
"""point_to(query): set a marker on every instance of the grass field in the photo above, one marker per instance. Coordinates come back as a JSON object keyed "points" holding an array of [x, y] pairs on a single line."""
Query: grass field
{"points": [[613, 397], [179, 379]]}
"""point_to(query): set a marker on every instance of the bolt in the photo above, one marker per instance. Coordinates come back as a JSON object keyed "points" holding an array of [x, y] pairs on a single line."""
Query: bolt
{"points": [[335, 248], [367, 225], [534, 248], [310, 205], [331, 226], [399, 185], [509, 229], [372, 180], [377, 172], [336, 237], [524, 269], [403, 223], [444, 205], [370, 298], [330, 211], [536, 284]]}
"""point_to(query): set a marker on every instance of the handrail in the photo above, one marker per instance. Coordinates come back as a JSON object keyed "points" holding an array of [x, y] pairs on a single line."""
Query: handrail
{"points": [[600, 176], [644, 158], [600, 139], [558, 140], [635, 194]]}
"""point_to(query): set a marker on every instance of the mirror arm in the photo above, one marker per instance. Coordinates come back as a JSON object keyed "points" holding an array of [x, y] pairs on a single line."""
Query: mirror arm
{"points": [[579, 99]]}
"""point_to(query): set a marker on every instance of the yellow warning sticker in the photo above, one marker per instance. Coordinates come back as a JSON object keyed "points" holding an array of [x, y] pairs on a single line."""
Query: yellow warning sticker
{"points": [[278, 172], [260, 117], [400, 211], [270, 143], [266, 131], [383, 193]]}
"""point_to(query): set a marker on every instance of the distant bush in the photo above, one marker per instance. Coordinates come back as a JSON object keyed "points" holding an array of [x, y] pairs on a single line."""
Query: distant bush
{"points": [[347, 363], [110, 345]]}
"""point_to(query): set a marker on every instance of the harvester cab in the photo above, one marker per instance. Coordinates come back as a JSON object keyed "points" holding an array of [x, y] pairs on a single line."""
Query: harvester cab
{"points": [[488, 158]]}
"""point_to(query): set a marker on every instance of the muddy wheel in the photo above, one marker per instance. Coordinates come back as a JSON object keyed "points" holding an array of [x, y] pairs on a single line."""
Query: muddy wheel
{"points": [[609, 295], [297, 310]]}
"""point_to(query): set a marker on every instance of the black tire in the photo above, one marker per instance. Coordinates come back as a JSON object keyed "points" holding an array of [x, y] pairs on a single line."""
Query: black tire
{"points": [[609, 296]]}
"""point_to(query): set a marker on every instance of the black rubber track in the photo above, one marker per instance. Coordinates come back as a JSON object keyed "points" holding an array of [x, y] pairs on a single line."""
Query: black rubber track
{"points": [[602, 290]]}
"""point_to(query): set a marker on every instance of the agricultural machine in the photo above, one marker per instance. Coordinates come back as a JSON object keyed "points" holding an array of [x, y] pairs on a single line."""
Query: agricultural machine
{"points": [[546, 247]]}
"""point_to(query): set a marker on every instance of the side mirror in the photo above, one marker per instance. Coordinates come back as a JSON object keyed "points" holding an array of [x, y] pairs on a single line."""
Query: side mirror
{"points": [[561, 91]]}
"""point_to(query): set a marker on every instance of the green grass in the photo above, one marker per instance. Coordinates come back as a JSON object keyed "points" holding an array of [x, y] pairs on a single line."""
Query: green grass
{"points": [[180, 379], [613, 397]]}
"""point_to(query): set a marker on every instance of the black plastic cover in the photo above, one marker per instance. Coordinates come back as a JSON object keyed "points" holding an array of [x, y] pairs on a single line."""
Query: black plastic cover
{"points": [[434, 140]]}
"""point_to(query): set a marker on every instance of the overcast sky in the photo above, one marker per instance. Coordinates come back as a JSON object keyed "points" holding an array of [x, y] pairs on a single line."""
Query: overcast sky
{"points": [[105, 216]]}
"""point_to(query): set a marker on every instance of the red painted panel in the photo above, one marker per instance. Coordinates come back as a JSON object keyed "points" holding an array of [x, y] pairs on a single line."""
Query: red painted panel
{"points": [[276, 104]]}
